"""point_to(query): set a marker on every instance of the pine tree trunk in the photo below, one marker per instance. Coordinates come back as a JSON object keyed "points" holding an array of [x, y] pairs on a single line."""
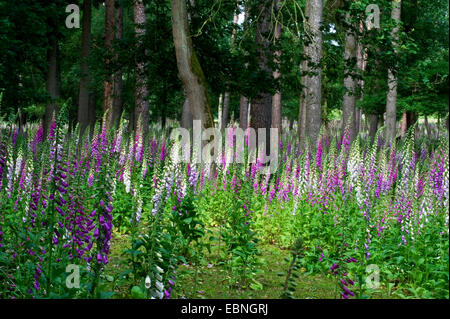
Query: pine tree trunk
{"points": [[302, 108], [141, 93], [391, 98], [53, 84], [361, 56], [226, 110], [244, 101], [261, 110], [349, 101], [118, 83], [313, 51], [373, 126], [108, 84], [243, 113], [92, 117], [220, 112], [83, 97], [276, 99], [404, 125]]}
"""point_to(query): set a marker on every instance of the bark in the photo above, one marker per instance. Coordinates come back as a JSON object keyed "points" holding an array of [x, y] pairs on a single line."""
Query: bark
{"points": [[141, 93], [349, 101], [108, 84], [373, 126], [361, 56], [92, 107], [427, 126], [276, 99], [243, 113], [226, 110], [313, 51], [53, 84], [302, 108], [358, 115], [220, 111], [186, 116], [163, 109], [391, 98], [189, 68], [404, 125], [226, 104], [118, 83], [83, 97], [261, 110], [411, 119], [244, 101]]}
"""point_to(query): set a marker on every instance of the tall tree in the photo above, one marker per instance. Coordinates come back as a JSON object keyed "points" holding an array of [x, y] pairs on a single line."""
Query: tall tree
{"points": [[189, 68], [361, 57], [141, 94], [349, 101], [118, 83], [261, 110], [391, 98], [302, 104], [244, 101], [276, 99], [83, 96], [226, 109], [53, 82], [227, 97], [108, 83], [243, 112], [313, 81]]}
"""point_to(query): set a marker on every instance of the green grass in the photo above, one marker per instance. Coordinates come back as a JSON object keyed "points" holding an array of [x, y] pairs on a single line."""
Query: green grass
{"points": [[212, 280]]}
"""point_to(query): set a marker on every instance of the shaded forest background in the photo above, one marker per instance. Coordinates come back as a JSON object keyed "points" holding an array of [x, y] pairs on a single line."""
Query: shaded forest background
{"points": [[306, 61]]}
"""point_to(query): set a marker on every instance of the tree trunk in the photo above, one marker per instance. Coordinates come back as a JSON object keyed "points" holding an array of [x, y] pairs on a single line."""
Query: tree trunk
{"points": [[83, 97], [108, 84], [427, 126], [118, 83], [189, 68], [314, 79], [361, 56], [141, 93], [404, 125], [349, 101], [53, 84], [261, 110], [411, 119], [243, 113], [164, 106], [220, 112], [373, 126], [226, 110], [186, 116], [244, 101], [302, 107], [276, 99], [391, 98], [92, 107]]}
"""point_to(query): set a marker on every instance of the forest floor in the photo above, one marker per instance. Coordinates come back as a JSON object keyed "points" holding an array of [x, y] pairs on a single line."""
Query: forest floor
{"points": [[212, 280]]}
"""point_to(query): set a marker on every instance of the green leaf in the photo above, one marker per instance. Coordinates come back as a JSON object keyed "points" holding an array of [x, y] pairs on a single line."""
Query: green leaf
{"points": [[137, 293]]}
